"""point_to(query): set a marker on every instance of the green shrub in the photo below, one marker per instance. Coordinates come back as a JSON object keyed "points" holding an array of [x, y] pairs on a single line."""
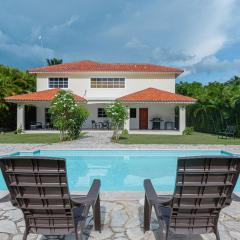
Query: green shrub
{"points": [[117, 112], [188, 131], [19, 130], [67, 115], [124, 132]]}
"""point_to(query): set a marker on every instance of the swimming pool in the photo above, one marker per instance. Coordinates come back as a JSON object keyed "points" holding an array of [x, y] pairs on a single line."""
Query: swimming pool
{"points": [[120, 170]]}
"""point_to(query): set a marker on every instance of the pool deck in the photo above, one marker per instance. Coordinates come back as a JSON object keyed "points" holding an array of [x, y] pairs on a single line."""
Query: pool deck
{"points": [[122, 213], [121, 220]]}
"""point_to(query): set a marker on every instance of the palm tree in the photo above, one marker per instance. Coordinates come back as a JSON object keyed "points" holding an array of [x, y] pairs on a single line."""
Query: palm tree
{"points": [[54, 61]]}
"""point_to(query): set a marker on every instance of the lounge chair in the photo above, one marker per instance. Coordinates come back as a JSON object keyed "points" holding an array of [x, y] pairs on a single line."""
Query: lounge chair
{"points": [[39, 187], [204, 186], [230, 131]]}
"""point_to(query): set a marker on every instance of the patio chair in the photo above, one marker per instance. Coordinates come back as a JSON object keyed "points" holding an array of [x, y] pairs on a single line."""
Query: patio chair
{"points": [[230, 131], [204, 186], [36, 125], [95, 125], [39, 187], [105, 124]]}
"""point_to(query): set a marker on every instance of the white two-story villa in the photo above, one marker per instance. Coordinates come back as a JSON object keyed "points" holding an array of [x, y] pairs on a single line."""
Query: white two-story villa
{"points": [[147, 90]]}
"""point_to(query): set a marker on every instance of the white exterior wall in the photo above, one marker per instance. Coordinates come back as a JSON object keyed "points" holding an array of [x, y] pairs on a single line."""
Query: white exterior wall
{"points": [[93, 110], [21, 116], [182, 118], [40, 111], [81, 84], [164, 111]]}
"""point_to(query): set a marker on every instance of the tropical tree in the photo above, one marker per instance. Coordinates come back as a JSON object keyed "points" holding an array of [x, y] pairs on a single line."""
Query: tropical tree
{"points": [[12, 82], [54, 61], [67, 115], [218, 104], [117, 112]]}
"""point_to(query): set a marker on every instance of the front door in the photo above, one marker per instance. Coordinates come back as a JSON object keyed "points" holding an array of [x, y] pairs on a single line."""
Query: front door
{"points": [[143, 118]]}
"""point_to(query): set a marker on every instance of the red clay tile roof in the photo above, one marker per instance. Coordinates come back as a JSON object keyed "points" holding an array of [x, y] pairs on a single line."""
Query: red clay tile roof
{"points": [[155, 95], [91, 66], [46, 95]]}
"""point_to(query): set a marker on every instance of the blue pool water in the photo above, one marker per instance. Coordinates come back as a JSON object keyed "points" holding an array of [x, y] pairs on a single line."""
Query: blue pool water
{"points": [[120, 170]]}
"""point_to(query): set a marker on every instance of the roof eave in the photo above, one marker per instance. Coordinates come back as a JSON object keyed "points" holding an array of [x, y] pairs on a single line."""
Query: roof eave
{"points": [[148, 101], [17, 101], [88, 72]]}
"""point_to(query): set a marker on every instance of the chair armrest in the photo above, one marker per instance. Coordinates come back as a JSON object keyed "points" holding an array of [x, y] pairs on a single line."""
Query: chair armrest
{"points": [[91, 197], [152, 196], [150, 192]]}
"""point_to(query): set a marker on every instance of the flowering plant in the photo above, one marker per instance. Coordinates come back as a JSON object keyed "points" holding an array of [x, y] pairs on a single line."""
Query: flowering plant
{"points": [[117, 112], [67, 115]]}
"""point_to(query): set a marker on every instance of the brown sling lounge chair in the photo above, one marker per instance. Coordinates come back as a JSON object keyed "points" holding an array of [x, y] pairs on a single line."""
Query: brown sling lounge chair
{"points": [[39, 187], [204, 186]]}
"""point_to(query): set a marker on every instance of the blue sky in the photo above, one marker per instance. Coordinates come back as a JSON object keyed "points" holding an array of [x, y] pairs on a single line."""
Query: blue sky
{"points": [[200, 36]]}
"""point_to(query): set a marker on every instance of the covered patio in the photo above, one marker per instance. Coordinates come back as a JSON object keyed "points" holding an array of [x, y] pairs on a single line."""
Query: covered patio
{"points": [[150, 111], [153, 111], [32, 109]]}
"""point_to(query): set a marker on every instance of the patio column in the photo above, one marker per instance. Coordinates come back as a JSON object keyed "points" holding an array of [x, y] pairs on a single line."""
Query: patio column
{"points": [[21, 116], [127, 122], [41, 114], [182, 118]]}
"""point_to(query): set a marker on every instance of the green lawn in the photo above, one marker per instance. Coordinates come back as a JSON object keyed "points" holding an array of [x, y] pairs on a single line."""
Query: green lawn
{"points": [[196, 138], [29, 138]]}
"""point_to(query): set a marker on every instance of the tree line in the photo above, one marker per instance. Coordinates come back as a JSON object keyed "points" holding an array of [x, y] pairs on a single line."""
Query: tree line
{"points": [[217, 106]]}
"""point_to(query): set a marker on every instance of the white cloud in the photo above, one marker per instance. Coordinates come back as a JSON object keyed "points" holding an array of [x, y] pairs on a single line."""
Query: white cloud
{"points": [[212, 64], [180, 32], [186, 33], [23, 50], [66, 24], [135, 43], [3, 37]]}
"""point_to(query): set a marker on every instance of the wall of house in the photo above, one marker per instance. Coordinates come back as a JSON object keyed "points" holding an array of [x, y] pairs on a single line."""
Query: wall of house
{"points": [[80, 84], [40, 111], [93, 110], [164, 111]]}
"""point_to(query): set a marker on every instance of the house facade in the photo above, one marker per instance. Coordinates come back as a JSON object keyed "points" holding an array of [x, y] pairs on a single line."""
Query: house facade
{"points": [[147, 90]]}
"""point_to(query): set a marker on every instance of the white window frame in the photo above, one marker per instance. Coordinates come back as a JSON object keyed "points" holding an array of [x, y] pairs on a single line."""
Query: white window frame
{"points": [[108, 82], [56, 82]]}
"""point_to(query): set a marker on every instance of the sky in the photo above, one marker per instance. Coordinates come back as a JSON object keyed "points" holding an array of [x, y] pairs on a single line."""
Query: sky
{"points": [[200, 36]]}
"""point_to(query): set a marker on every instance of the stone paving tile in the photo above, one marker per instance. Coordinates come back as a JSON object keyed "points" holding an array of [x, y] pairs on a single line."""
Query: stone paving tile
{"points": [[120, 220]]}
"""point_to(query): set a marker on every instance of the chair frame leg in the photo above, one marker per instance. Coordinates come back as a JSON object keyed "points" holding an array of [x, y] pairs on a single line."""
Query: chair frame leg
{"points": [[147, 214], [25, 234], [97, 214], [76, 233], [217, 234]]}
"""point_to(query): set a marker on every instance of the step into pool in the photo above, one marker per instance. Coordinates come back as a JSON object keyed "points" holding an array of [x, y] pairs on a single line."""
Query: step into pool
{"points": [[121, 170]]}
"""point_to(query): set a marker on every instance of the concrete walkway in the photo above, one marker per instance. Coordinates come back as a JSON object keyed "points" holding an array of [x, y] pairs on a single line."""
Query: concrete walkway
{"points": [[102, 140]]}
